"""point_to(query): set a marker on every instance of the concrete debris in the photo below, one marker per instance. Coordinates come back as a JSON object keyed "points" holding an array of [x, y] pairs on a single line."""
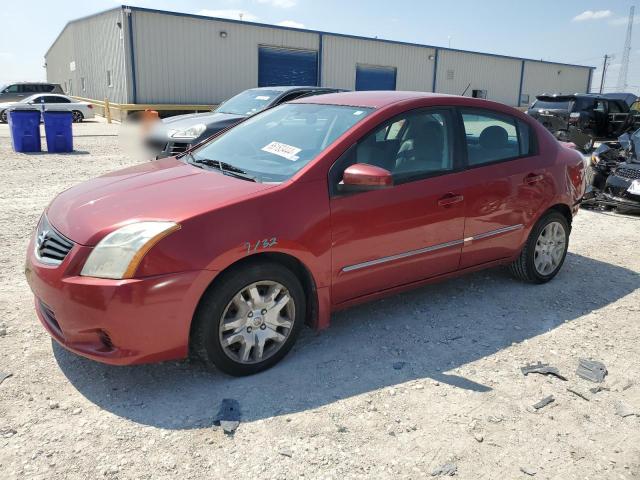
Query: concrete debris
{"points": [[446, 470], [623, 410], [580, 394], [599, 389], [228, 416], [285, 452], [544, 402], [4, 376], [528, 471], [591, 370], [543, 369]]}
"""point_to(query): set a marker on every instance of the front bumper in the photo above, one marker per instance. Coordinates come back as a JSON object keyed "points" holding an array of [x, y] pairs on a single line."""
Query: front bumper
{"points": [[119, 322]]}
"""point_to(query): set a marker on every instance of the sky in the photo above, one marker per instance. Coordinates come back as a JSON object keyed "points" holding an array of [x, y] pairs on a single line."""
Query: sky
{"points": [[569, 31]]}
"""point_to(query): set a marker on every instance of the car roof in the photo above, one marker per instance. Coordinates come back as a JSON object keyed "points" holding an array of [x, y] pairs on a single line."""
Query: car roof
{"points": [[370, 99], [292, 88], [32, 83]]}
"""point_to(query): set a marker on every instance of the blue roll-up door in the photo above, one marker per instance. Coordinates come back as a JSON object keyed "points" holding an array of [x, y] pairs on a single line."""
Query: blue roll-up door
{"points": [[283, 66], [372, 77]]}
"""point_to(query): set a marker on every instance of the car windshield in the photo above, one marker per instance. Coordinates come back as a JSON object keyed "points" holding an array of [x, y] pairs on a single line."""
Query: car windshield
{"points": [[552, 104], [273, 146], [249, 102]]}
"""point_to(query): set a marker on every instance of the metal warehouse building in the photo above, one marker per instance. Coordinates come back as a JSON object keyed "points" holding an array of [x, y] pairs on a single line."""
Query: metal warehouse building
{"points": [[138, 55]]}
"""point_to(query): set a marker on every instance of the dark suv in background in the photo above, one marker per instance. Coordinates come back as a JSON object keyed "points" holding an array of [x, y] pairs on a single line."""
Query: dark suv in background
{"points": [[583, 118], [14, 92]]}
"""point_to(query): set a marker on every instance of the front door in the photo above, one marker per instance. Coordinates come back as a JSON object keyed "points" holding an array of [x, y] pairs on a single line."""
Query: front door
{"points": [[411, 231], [508, 188]]}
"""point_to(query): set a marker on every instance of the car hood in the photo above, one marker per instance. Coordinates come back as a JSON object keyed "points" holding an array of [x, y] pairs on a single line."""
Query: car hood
{"points": [[210, 119], [162, 190]]}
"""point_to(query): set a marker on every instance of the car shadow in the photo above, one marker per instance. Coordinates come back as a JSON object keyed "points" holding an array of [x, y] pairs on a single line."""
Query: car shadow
{"points": [[422, 334]]}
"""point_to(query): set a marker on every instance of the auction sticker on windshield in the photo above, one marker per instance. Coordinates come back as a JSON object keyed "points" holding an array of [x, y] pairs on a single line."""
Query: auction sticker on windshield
{"points": [[283, 150], [634, 189]]}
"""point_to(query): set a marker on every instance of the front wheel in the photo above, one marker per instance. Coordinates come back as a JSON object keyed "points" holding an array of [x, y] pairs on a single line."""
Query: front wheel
{"points": [[77, 116], [3, 117], [250, 319], [545, 251]]}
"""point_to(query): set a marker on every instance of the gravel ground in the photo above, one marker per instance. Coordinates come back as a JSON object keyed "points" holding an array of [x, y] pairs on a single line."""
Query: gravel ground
{"points": [[395, 389]]}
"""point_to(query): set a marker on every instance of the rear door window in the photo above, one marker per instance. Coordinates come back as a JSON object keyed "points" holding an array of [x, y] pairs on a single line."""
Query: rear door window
{"points": [[494, 137]]}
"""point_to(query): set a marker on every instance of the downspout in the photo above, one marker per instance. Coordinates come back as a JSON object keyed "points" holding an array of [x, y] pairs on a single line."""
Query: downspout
{"points": [[589, 80], [132, 56], [320, 41], [519, 103], [435, 70]]}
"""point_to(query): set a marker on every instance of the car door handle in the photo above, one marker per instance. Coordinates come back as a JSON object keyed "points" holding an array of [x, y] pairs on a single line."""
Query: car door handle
{"points": [[533, 178], [450, 199]]}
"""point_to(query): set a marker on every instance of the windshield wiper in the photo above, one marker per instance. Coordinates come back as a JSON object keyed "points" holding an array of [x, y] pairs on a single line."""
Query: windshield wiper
{"points": [[224, 167]]}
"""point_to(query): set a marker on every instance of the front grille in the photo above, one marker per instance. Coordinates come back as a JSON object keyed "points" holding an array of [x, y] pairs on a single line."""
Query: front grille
{"points": [[177, 148], [631, 173], [50, 246]]}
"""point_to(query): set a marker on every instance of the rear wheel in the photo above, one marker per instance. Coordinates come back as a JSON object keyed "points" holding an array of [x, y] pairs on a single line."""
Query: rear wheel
{"points": [[250, 319], [3, 117], [544, 253], [77, 116]]}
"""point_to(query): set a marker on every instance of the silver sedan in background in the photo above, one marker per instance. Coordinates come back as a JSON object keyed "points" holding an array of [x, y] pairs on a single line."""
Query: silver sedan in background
{"points": [[80, 110]]}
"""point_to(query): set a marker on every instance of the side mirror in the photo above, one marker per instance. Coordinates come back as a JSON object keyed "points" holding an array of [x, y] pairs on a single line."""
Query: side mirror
{"points": [[363, 177]]}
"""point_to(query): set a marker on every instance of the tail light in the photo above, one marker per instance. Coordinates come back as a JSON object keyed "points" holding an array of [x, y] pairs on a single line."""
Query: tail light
{"points": [[90, 107]]}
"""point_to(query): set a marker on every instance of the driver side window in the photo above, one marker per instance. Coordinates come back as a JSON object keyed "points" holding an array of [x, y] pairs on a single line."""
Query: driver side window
{"points": [[412, 146]]}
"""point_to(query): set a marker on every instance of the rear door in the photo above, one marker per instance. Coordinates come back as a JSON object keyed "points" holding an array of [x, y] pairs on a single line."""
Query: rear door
{"points": [[508, 190], [412, 231]]}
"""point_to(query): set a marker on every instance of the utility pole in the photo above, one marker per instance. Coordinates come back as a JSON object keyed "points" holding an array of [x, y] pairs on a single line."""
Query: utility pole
{"points": [[624, 67], [604, 71]]}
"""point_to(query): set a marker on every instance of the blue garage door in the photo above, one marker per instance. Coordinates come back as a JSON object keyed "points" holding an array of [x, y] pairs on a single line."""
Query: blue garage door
{"points": [[282, 66], [371, 77]]}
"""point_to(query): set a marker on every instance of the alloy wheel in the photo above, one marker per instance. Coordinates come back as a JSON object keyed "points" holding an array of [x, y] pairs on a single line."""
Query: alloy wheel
{"points": [[257, 322], [550, 248]]}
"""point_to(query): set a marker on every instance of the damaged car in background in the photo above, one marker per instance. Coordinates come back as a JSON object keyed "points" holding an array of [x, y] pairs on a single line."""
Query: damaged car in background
{"points": [[614, 175], [583, 119]]}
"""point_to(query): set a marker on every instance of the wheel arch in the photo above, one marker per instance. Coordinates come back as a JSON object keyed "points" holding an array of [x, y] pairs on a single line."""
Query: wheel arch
{"points": [[563, 209], [299, 269]]}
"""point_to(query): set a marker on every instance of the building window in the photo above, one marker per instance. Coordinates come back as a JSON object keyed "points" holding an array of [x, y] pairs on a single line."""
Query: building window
{"points": [[479, 94], [450, 75], [83, 84], [109, 79]]}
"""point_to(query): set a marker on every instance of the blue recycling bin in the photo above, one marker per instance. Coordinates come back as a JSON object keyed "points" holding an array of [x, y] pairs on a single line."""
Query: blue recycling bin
{"points": [[25, 130], [58, 131]]}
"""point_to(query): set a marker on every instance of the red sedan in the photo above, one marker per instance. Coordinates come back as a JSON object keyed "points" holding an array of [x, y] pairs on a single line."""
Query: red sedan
{"points": [[226, 251]]}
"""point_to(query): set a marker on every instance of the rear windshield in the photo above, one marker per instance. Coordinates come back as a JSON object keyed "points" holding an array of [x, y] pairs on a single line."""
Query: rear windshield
{"points": [[249, 102], [552, 104]]}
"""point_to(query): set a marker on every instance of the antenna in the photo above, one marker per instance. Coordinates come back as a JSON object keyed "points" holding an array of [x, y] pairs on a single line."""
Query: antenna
{"points": [[624, 67]]}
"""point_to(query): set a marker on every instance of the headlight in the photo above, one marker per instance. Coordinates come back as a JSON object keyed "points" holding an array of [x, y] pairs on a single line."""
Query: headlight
{"points": [[595, 159], [118, 254], [189, 133]]}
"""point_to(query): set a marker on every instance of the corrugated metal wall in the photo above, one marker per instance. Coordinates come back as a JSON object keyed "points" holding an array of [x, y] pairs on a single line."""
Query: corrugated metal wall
{"points": [[500, 77], [553, 78], [95, 45], [185, 60], [340, 55]]}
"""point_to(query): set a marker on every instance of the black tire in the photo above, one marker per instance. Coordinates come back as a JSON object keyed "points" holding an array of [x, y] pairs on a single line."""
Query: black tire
{"points": [[3, 117], [524, 267], [78, 117], [205, 338]]}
